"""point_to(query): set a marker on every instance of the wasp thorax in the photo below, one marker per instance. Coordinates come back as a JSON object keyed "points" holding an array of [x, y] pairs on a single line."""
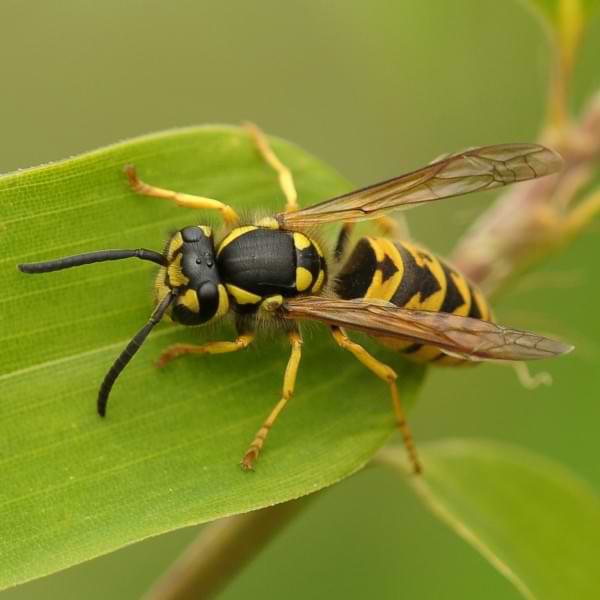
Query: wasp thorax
{"points": [[192, 271]]}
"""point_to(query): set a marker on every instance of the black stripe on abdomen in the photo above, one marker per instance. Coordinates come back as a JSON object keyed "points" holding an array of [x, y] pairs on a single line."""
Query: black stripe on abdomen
{"points": [[355, 278], [415, 280], [453, 298]]}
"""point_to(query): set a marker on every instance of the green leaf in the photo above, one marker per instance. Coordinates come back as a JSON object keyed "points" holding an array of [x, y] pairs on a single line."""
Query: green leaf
{"points": [[532, 519], [75, 486]]}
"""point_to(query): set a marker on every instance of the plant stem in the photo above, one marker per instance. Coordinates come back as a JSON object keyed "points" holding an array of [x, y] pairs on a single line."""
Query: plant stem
{"points": [[221, 551]]}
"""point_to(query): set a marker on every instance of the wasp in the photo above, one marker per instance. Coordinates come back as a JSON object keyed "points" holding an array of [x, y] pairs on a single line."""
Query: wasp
{"points": [[275, 271]]}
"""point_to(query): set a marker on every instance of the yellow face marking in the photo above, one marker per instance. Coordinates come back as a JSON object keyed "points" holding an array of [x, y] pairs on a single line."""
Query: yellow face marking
{"points": [[234, 235], [268, 223], [161, 289], [175, 244], [176, 276], [380, 289], [301, 241], [190, 300], [242, 296], [318, 282], [206, 229], [303, 279], [223, 307], [159, 281]]}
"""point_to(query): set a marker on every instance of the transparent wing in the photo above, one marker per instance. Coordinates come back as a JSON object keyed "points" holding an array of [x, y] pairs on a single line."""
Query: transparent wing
{"points": [[472, 339], [473, 170]]}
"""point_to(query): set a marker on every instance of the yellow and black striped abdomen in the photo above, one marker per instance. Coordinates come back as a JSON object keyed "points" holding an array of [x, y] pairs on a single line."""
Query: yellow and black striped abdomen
{"points": [[409, 277]]}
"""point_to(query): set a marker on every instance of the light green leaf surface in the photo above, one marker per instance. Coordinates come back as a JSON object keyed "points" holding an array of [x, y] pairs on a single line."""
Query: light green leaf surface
{"points": [[75, 486], [534, 520]]}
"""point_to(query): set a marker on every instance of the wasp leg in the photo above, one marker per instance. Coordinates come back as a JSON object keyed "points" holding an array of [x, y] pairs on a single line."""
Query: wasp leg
{"points": [[186, 200], [388, 375], [286, 180], [528, 380], [289, 382], [392, 228], [242, 341]]}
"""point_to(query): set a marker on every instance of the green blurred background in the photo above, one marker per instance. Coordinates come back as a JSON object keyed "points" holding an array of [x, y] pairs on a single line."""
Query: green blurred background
{"points": [[374, 89]]}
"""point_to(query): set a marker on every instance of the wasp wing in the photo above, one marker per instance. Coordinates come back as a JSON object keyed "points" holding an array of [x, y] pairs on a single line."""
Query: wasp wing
{"points": [[473, 170], [471, 339]]}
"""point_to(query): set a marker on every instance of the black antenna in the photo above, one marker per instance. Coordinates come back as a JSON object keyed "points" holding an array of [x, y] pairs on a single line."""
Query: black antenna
{"points": [[130, 350], [92, 257]]}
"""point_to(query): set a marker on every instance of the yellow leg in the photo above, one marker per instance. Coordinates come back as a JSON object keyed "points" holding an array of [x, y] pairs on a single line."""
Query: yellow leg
{"points": [[528, 380], [388, 375], [186, 200], [289, 381], [172, 352], [286, 180], [392, 228]]}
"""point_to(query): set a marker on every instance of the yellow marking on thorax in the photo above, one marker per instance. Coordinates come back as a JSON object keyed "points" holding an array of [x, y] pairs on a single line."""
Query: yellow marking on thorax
{"points": [[317, 248], [301, 241], [303, 279], [319, 282], [379, 289], [242, 296], [234, 234], [206, 229]]}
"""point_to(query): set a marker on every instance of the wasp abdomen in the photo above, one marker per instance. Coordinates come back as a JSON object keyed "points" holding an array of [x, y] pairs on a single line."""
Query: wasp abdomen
{"points": [[409, 277]]}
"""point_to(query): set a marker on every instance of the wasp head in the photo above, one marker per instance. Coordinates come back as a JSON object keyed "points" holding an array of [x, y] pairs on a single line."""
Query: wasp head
{"points": [[192, 272]]}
